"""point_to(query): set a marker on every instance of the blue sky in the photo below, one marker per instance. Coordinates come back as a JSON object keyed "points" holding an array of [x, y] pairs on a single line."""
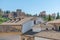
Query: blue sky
{"points": [[31, 6]]}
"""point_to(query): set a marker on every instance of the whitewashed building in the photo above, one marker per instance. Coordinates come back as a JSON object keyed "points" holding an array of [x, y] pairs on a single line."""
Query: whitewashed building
{"points": [[56, 24], [19, 24], [38, 20], [22, 25], [40, 34], [42, 27]]}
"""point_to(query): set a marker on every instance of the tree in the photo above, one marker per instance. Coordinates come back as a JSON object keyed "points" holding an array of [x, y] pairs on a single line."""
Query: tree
{"points": [[7, 12], [28, 15], [57, 16], [49, 18], [1, 12], [35, 15]]}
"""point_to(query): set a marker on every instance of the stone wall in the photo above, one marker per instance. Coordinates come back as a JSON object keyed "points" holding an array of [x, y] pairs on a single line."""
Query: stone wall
{"points": [[23, 37]]}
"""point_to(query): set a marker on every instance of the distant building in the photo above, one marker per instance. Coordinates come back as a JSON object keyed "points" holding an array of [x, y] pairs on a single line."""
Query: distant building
{"points": [[14, 14], [23, 14], [42, 14], [10, 15], [53, 15], [20, 13], [6, 14], [1, 12]]}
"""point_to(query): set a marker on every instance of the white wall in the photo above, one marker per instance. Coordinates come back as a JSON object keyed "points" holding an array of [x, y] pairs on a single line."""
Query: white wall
{"points": [[36, 29], [27, 26], [38, 38], [38, 20]]}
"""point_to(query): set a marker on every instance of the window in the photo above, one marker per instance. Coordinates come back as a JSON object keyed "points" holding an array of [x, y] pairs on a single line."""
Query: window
{"points": [[59, 28], [34, 21], [52, 28], [46, 28]]}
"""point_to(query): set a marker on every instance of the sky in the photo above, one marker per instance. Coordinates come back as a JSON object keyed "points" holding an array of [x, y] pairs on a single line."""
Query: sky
{"points": [[31, 6]]}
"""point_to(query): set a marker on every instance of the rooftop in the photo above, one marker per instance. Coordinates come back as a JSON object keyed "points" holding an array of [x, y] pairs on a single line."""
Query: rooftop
{"points": [[49, 34], [18, 22], [43, 26], [54, 21], [55, 35]]}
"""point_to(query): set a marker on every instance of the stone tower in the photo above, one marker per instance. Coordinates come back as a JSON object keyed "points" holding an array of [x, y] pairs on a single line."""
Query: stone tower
{"points": [[18, 11]]}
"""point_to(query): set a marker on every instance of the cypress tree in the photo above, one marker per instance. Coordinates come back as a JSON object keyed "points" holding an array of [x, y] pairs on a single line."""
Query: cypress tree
{"points": [[57, 16], [49, 18]]}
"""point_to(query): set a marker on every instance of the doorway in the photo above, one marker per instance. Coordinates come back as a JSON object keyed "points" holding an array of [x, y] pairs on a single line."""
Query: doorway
{"points": [[59, 28], [34, 21]]}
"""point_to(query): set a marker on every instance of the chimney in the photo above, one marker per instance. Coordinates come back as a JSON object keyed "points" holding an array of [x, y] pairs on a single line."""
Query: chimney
{"points": [[17, 19], [12, 20]]}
